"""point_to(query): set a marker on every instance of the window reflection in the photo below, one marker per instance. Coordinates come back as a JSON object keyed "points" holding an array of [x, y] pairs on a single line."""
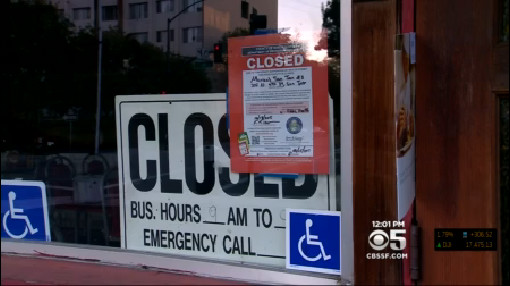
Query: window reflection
{"points": [[149, 47]]}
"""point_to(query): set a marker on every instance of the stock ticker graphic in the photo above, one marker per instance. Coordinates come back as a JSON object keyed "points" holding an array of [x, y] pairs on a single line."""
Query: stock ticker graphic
{"points": [[465, 239]]}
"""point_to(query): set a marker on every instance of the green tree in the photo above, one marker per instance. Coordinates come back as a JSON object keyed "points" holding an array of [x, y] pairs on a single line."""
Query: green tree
{"points": [[36, 50], [49, 69], [331, 21]]}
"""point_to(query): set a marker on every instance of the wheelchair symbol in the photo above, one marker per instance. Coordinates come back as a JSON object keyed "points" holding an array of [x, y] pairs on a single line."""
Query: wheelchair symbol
{"points": [[311, 240], [15, 214]]}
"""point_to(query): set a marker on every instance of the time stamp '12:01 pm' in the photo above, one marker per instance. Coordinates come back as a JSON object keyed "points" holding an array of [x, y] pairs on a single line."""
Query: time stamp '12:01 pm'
{"points": [[465, 239]]}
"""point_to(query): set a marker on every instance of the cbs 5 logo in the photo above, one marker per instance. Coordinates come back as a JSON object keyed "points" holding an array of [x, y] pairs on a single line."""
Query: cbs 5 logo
{"points": [[379, 239]]}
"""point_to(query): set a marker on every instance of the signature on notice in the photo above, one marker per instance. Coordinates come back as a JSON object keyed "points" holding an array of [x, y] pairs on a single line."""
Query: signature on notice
{"points": [[300, 150]]}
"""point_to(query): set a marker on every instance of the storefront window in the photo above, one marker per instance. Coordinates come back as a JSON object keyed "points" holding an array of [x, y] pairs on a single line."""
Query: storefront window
{"points": [[56, 82]]}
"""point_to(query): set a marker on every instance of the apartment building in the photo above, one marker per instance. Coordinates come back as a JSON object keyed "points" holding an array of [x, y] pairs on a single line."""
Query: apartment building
{"points": [[193, 31]]}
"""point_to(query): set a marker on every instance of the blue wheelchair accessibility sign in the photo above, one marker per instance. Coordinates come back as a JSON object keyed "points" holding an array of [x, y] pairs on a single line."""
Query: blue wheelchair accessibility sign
{"points": [[313, 241], [24, 210]]}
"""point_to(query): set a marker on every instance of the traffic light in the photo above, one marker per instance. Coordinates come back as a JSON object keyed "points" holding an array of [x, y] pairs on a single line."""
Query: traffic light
{"points": [[218, 53]]}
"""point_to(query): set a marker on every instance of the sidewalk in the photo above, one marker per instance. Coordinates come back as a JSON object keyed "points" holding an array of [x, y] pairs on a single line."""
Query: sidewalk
{"points": [[32, 270]]}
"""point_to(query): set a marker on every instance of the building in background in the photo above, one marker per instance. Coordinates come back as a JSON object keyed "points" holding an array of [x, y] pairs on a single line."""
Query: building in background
{"points": [[192, 33]]}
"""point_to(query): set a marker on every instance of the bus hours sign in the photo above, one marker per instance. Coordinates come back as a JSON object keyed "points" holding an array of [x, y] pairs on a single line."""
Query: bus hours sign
{"points": [[178, 194]]}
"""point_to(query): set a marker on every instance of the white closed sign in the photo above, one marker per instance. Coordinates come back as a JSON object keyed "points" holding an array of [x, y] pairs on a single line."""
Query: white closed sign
{"points": [[178, 194]]}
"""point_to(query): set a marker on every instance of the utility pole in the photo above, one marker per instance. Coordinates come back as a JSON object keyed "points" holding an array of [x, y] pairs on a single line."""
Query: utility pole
{"points": [[99, 68]]}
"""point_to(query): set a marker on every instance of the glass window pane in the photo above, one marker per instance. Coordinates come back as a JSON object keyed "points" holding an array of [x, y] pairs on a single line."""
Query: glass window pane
{"points": [[244, 9], [81, 13], [61, 142], [138, 10], [164, 6], [140, 37], [110, 13]]}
